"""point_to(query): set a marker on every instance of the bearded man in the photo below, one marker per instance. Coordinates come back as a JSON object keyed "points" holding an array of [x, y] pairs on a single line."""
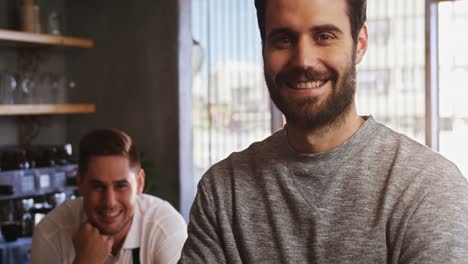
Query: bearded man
{"points": [[331, 186]]}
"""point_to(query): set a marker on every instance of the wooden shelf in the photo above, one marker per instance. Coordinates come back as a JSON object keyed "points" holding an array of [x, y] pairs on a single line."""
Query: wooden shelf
{"points": [[46, 109], [20, 38]]}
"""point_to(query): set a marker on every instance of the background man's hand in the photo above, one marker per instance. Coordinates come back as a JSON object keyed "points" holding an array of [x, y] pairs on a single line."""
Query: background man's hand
{"points": [[91, 246]]}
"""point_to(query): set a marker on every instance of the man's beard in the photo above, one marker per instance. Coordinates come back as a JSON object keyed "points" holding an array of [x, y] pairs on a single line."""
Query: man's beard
{"points": [[105, 231], [308, 112]]}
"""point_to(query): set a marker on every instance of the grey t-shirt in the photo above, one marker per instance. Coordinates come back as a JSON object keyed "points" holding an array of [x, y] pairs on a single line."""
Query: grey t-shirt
{"points": [[378, 198]]}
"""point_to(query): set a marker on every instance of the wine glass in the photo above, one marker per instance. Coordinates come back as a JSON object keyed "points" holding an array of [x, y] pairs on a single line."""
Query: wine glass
{"points": [[26, 88], [65, 85], [44, 88], [8, 86]]}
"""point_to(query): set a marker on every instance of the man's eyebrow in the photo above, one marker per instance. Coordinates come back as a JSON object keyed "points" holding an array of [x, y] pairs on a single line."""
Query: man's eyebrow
{"points": [[320, 28], [118, 182], [124, 181], [96, 182], [327, 28], [278, 31]]}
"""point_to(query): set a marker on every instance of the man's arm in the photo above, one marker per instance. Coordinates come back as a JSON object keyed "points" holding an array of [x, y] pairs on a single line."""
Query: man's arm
{"points": [[204, 243], [91, 246], [438, 229]]}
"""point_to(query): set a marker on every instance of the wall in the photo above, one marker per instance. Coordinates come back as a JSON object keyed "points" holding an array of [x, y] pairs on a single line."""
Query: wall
{"points": [[132, 76]]}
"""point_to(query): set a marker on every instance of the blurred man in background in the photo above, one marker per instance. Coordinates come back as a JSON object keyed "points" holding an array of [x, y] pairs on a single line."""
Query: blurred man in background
{"points": [[113, 221]]}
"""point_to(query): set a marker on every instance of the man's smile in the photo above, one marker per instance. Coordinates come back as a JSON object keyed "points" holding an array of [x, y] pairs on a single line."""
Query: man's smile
{"points": [[109, 216], [306, 84]]}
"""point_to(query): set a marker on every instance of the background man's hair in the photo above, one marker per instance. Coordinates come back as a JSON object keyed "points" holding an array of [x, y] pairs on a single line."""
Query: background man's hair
{"points": [[107, 142], [356, 14]]}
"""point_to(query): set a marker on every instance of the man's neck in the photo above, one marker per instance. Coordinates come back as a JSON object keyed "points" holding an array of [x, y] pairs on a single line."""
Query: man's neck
{"points": [[119, 238], [325, 138], [117, 246]]}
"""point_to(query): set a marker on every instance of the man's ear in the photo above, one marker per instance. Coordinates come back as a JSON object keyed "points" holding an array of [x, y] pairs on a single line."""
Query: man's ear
{"points": [[140, 181], [361, 44]]}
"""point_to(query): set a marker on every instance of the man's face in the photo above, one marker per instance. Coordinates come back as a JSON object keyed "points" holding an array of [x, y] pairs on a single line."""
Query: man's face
{"points": [[309, 59], [109, 189]]}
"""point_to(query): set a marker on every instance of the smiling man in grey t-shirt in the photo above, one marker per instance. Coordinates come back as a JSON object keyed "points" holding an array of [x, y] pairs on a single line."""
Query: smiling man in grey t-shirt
{"points": [[332, 186]]}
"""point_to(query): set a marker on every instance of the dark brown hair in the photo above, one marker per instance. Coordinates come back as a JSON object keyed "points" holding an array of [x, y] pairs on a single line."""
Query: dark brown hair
{"points": [[356, 14], [107, 142]]}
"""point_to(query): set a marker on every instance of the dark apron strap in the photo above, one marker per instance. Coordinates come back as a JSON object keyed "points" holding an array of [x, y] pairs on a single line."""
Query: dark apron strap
{"points": [[136, 255]]}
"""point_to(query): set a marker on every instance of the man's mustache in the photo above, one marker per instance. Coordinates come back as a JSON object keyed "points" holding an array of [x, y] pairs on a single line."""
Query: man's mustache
{"points": [[309, 74]]}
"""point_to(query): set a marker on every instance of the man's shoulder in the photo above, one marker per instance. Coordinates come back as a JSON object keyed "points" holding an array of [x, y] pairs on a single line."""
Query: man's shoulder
{"points": [[158, 217], [152, 207], [62, 220], [418, 159], [257, 152], [149, 204], [240, 170]]}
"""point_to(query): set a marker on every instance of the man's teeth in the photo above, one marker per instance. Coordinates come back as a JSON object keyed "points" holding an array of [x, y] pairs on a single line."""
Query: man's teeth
{"points": [[111, 214], [309, 85]]}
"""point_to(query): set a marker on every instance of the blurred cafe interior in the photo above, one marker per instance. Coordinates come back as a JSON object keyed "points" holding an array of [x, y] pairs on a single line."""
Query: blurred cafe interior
{"points": [[184, 78]]}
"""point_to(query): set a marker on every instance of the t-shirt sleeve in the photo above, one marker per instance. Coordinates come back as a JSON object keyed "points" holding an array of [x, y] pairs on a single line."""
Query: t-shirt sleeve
{"points": [[204, 244], [438, 229], [43, 250]]}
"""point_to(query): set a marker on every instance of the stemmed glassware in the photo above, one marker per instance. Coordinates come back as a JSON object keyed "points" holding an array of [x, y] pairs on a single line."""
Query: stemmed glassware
{"points": [[26, 90], [8, 87], [35, 87]]}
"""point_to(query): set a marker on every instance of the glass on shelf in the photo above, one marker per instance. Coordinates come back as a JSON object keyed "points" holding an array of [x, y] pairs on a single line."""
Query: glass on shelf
{"points": [[62, 88], [8, 86], [54, 23], [35, 87], [58, 89], [44, 92], [26, 88]]}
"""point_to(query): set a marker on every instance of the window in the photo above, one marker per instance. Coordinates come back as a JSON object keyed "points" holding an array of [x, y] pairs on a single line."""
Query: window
{"points": [[230, 99], [231, 102], [390, 79], [453, 82]]}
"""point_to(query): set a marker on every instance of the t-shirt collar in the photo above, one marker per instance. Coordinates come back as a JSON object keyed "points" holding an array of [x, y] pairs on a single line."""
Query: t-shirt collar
{"points": [[359, 138], [134, 234]]}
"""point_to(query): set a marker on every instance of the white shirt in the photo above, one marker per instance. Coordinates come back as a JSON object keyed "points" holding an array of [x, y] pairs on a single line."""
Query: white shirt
{"points": [[157, 229]]}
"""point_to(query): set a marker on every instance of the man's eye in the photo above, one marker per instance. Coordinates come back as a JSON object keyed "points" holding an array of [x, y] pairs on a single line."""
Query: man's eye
{"points": [[281, 41], [122, 186], [325, 37], [99, 188], [284, 40]]}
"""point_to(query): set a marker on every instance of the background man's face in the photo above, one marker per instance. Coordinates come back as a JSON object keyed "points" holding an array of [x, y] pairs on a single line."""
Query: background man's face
{"points": [[309, 59], [109, 189]]}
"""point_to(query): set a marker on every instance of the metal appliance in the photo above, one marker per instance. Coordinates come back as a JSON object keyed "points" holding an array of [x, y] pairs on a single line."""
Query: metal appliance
{"points": [[33, 180]]}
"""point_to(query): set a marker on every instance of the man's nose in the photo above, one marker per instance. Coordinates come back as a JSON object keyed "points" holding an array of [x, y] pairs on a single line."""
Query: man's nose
{"points": [[109, 198], [306, 54]]}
